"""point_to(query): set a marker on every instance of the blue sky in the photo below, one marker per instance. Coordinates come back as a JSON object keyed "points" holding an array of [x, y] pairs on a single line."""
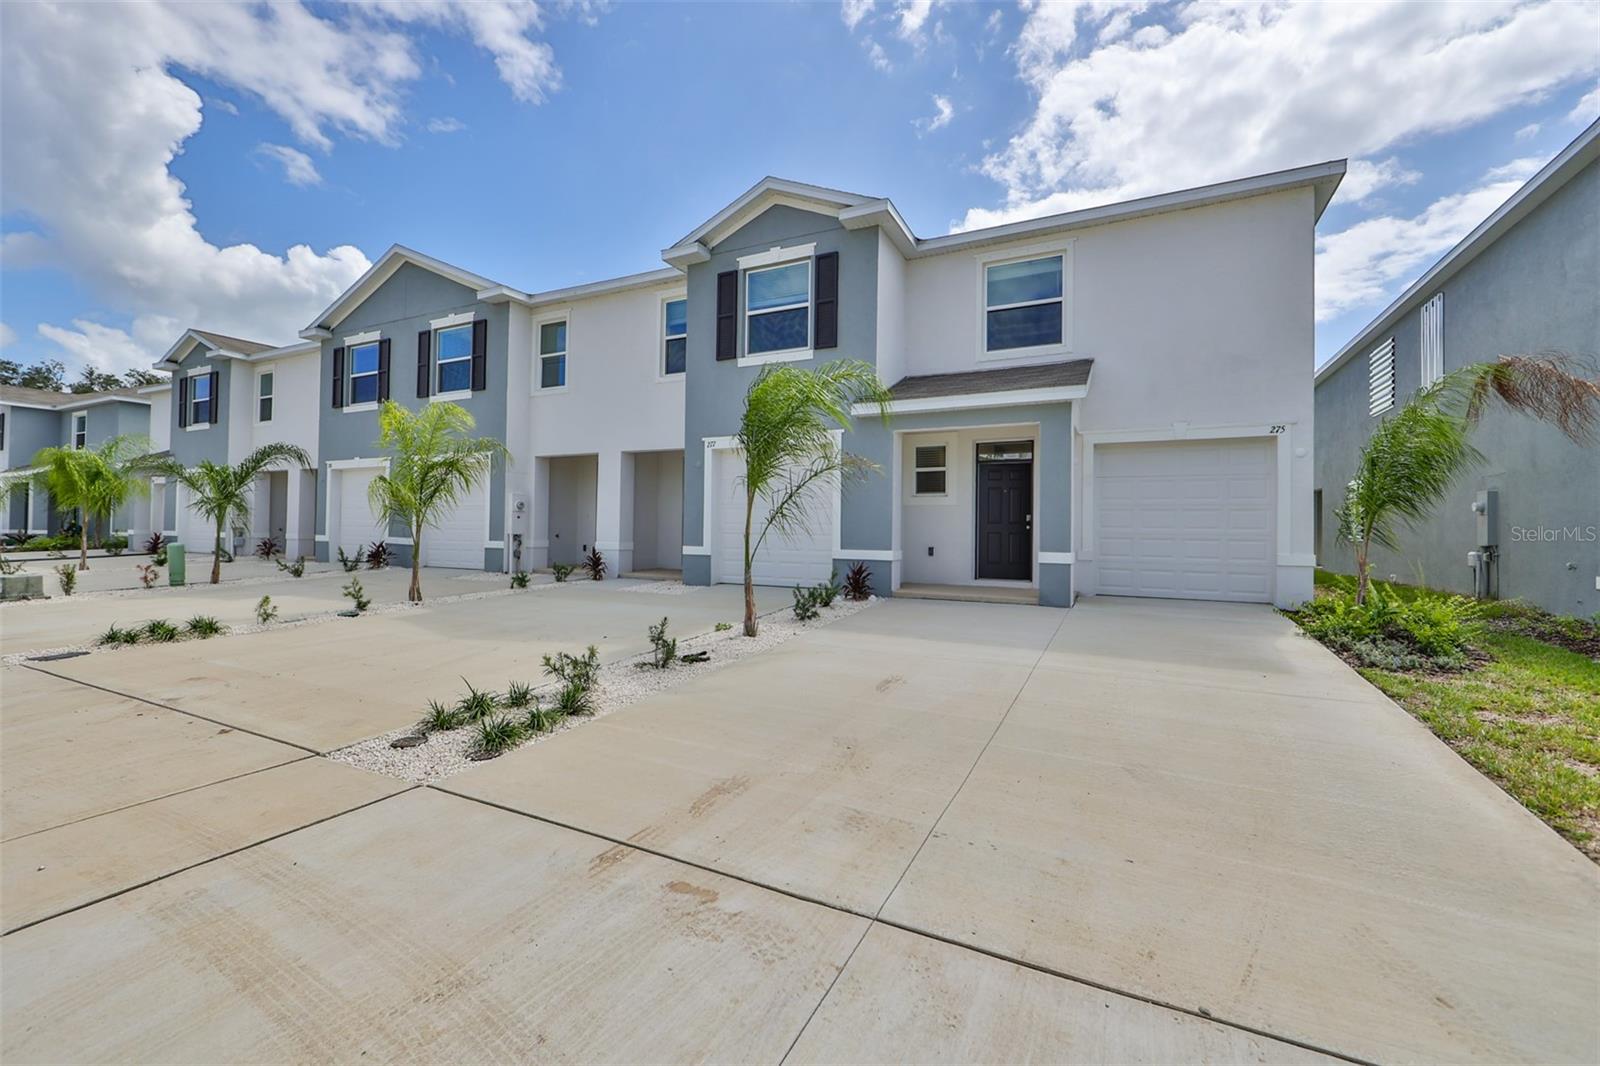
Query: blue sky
{"points": [[546, 147]]}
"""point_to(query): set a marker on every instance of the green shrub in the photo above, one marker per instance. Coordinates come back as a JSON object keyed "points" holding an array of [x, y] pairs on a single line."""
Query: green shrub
{"points": [[562, 571], [1394, 634], [348, 563], [723, 627], [574, 669], [294, 569], [115, 545], [117, 635], [476, 705], [59, 543], [541, 719], [805, 603], [266, 611], [203, 626], [441, 719], [828, 591], [519, 579], [519, 694], [358, 595], [160, 631], [67, 574], [498, 733], [574, 699], [664, 649]]}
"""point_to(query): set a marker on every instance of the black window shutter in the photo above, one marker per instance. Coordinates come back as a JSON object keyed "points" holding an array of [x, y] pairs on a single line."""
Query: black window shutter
{"points": [[424, 354], [338, 377], [728, 314], [827, 313], [183, 401], [383, 369], [216, 398], [480, 354]]}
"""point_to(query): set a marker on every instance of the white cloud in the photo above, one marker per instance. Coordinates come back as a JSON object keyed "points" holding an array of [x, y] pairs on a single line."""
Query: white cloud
{"points": [[1362, 264], [1363, 177], [943, 112], [911, 16], [447, 124], [1530, 130], [1518, 170], [853, 11], [95, 177], [1241, 89], [1588, 108], [7, 335], [875, 52], [298, 169]]}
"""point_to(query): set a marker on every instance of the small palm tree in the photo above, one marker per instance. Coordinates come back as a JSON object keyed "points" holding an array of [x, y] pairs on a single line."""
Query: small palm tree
{"points": [[94, 481], [786, 437], [221, 492], [1412, 458], [435, 463]]}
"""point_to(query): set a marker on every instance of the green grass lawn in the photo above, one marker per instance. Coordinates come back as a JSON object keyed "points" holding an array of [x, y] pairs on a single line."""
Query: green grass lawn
{"points": [[1527, 716]]}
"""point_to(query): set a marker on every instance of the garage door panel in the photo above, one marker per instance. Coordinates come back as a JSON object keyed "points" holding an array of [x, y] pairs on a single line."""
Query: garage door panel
{"points": [[457, 541], [358, 528], [1190, 519], [798, 557]]}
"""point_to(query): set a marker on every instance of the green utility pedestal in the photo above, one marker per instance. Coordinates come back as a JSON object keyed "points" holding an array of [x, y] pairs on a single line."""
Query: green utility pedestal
{"points": [[175, 574]]}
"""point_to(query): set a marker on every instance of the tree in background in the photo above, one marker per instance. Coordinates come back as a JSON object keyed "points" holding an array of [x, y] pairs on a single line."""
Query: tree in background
{"points": [[436, 461], [1412, 458], [47, 374], [221, 492], [94, 481], [92, 380], [786, 439]]}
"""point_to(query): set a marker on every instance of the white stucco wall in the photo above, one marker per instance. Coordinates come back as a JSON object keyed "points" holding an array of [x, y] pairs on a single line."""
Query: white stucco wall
{"points": [[948, 523], [160, 419], [891, 312], [296, 388]]}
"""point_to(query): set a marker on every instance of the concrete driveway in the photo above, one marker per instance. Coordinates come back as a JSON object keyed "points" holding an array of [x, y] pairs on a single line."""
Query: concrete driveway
{"points": [[1136, 831]]}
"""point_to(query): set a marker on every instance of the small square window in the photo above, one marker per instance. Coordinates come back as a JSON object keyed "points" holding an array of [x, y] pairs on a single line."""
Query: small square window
{"points": [[676, 334], [553, 355], [931, 473], [454, 346], [264, 397]]}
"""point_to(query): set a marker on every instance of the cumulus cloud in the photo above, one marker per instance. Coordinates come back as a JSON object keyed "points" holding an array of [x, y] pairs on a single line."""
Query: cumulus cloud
{"points": [[943, 112], [1231, 90], [87, 159], [910, 17], [875, 53], [445, 125], [853, 11], [1363, 177], [1359, 265], [1587, 109], [298, 169], [7, 335]]}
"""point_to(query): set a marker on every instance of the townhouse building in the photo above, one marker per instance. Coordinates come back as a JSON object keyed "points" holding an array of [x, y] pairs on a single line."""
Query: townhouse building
{"points": [[1109, 401]]}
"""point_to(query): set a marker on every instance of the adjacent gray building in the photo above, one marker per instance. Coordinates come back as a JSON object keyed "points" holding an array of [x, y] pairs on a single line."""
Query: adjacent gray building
{"points": [[1527, 280], [33, 419]]}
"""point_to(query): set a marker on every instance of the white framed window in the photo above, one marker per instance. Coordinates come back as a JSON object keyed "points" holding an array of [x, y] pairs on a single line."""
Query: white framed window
{"points": [[1380, 378], [264, 395], [1433, 340], [931, 471], [453, 346], [777, 309], [80, 429], [674, 336], [364, 373], [553, 354], [1024, 305]]}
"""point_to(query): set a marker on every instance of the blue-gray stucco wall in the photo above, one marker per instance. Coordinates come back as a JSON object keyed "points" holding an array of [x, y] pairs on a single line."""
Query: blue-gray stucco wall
{"points": [[405, 304], [1533, 289], [714, 395], [191, 445]]}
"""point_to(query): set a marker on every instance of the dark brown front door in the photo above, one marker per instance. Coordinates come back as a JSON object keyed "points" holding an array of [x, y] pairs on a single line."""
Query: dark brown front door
{"points": [[1005, 520]]}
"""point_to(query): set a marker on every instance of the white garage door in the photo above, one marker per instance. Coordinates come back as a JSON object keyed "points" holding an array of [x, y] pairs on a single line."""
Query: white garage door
{"points": [[357, 527], [458, 538], [196, 532], [1194, 520], [804, 557]]}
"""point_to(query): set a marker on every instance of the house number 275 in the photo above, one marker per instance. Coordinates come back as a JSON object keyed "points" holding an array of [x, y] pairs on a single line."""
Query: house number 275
{"points": [[1278, 429]]}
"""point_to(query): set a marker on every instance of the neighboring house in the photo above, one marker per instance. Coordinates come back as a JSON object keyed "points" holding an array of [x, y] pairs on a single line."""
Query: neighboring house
{"points": [[1116, 400], [1524, 281], [229, 396], [32, 419]]}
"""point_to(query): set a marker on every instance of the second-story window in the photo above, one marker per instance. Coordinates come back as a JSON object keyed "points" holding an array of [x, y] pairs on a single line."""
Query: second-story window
{"points": [[199, 399], [1023, 304], [675, 350], [80, 429], [777, 308], [553, 355], [455, 358], [364, 373], [264, 396]]}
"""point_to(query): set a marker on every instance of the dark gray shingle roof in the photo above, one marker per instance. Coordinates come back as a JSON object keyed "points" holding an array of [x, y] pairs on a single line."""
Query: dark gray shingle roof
{"points": [[232, 344], [967, 382]]}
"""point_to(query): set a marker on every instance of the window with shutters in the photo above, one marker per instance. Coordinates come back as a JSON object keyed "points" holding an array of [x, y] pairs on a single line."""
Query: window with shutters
{"points": [[264, 394], [777, 309], [553, 354], [1380, 378], [1433, 340], [931, 473], [80, 429], [199, 400], [674, 336], [1024, 305], [363, 373], [454, 346]]}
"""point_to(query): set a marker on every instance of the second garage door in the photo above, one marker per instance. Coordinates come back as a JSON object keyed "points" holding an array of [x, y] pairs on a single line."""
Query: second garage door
{"points": [[800, 558], [458, 538], [358, 529], [1192, 520]]}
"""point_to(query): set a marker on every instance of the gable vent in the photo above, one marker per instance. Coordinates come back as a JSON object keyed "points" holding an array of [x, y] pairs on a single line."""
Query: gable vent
{"points": [[1380, 377], [1433, 340]]}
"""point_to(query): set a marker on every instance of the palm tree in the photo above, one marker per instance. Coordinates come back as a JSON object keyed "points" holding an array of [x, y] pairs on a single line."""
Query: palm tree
{"points": [[219, 492], [1413, 457], [94, 481], [435, 463], [786, 437]]}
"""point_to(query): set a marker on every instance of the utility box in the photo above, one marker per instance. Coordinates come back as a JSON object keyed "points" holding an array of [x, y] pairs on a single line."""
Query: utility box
{"points": [[175, 567], [22, 587], [1486, 506]]}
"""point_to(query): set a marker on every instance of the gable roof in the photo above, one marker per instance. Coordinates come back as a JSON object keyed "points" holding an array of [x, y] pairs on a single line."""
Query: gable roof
{"points": [[396, 257], [1572, 159], [219, 343], [855, 211], [49, 399]]}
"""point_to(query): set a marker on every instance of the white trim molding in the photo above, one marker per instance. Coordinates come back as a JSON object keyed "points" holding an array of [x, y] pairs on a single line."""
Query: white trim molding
{"points": [[367, 337], [1056, 558], [978, 400], [775, 255], [459, 319]]}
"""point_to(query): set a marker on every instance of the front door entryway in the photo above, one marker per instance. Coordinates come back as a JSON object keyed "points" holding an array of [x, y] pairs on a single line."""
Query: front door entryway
{"points": [[1005, 511]]}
